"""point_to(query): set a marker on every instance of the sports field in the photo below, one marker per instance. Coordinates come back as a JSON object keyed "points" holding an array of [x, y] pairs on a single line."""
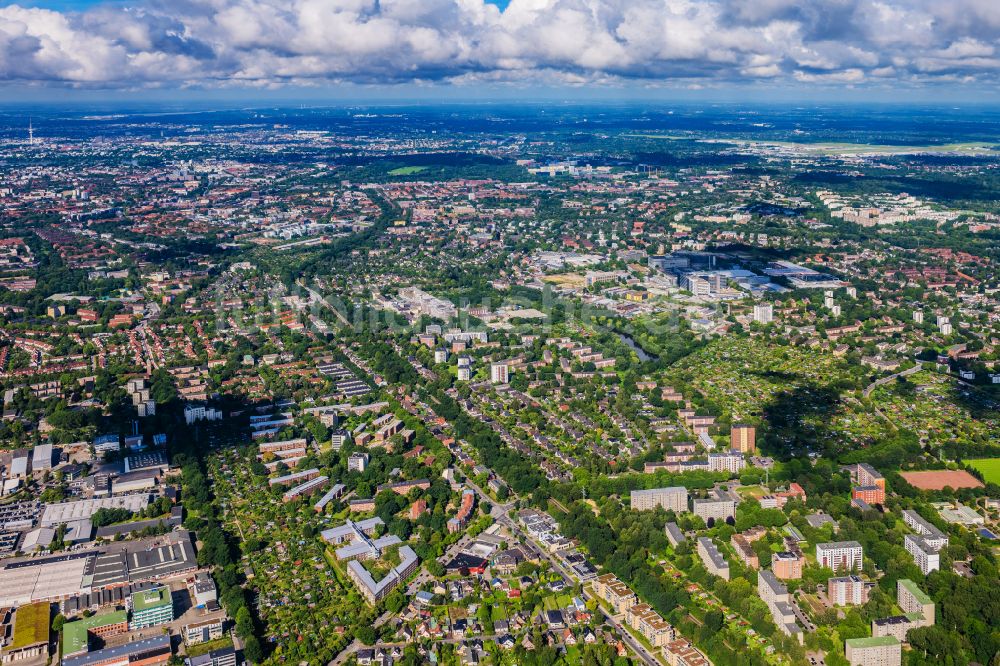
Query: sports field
{"points": [[941, 478], [990, 468]]}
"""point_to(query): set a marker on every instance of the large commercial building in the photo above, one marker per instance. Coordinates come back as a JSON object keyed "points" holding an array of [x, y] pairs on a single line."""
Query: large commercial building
{"points": [[154, 651], [743, 438], [91, 572], [674, 499], [839, 555], [874, 651], [30, 637], [77, 634], [69, 512]]}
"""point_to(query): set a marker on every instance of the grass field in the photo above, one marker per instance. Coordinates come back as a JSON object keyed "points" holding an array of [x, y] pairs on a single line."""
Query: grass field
{"points": [[990, 468], [407, 171]]}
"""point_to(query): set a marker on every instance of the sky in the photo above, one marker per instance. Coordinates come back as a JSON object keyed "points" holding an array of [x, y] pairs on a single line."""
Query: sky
{"points": [[64, 50]]}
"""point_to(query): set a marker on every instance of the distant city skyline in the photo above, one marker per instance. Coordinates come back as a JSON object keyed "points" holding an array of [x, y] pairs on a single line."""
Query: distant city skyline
{"points": [[895, 50]]}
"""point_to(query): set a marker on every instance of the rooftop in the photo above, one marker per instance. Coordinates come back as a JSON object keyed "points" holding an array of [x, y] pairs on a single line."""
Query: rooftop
{"points": [[31, 625], [158, 596], [75, 634], [872, 641], [917, 593]]}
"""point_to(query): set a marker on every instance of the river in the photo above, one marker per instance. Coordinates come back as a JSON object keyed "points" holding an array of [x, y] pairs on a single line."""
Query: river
{"points": [[639, 351]]}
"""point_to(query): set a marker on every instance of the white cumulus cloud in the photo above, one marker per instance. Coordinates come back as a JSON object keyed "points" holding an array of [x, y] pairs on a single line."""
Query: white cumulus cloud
{"points": [[689, 42]]}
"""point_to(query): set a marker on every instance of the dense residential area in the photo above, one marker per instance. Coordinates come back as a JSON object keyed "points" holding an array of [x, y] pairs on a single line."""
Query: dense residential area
{"points": [[308, 387]]}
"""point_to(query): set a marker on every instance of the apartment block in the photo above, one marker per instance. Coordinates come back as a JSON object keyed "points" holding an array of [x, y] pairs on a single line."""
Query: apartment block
{"points": [[713, 509], [648, 622], [744, 550], [743, 438], [869, 494], [682, 653], [897, 626], [787, 565], [913, 600], [674, 499], [874, 651], [866, 475], [499, 373], [713, 560], [847, 591], [618, 595], [925, 556], [774, 593], [763, 313], [931, 534], [731, 462], [838, 555]]}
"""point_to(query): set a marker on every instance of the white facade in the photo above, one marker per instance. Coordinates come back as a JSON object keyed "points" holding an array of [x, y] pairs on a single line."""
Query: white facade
{"points": [[763, 313], [839, 555], [499, 373], [673, 499]]}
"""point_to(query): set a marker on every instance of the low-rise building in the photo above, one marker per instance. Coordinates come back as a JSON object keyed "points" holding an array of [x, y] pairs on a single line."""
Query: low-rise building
{"points": [[203, 631], [223, 657], [616, 593]]}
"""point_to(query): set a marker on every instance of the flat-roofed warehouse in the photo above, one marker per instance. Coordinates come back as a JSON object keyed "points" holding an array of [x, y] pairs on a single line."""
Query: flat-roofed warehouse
{"points": [[118, 567], [44, 578], [66, 512], [63, 576]]}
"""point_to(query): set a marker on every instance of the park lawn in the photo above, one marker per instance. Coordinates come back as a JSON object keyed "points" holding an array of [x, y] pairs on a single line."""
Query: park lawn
{"points": [[407, 171], [988, 467]]}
